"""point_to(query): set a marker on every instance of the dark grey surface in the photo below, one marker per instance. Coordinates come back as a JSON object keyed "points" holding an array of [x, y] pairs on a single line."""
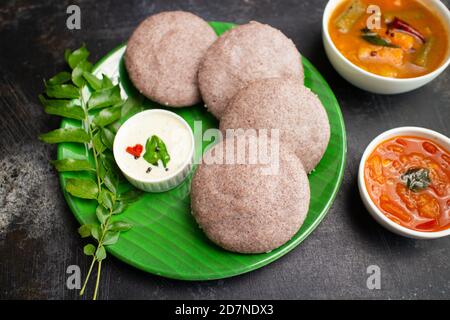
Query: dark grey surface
{"points": [[40, 240]]}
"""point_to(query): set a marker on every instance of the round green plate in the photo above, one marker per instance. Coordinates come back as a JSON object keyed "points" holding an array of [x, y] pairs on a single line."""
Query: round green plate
{"points": [[165, 239]]}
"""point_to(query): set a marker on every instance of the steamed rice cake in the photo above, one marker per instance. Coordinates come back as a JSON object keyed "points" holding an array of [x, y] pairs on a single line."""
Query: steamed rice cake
{"points": [[243, 54], [244, 210], [163, 57], [284, 104]]}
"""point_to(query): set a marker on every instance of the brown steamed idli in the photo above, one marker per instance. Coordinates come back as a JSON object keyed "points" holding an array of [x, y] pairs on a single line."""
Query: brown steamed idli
{"points": [[243, 210], [163, 56], [243, 54], [284, 104]]}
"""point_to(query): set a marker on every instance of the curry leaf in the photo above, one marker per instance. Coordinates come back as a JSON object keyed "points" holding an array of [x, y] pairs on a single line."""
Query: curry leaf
{"points": [[97, 143], [96, 232], [62, 91], [102, 169], [65, 135], [74, 58], [120, 226], [132, 106], [100, 254], [64, 165], [82, 188], [106, 82], [104, 98], [77, 73], [71, 111], [85, 230], [107, 160], [375, 39], [107, 138], [59, 78], [119, 207], [67, 54], [111, 237], [417, 179], [64, 108], [106, 199], [93, 81], [378, 41], [107, 116], [111, 181], [89, 249], [65, 97], [102, 214], [130, 196]]}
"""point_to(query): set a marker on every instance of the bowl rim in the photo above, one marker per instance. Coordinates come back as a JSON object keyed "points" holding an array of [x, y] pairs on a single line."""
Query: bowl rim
{"points": [[372, 208], [185, 163], [332, 4]]}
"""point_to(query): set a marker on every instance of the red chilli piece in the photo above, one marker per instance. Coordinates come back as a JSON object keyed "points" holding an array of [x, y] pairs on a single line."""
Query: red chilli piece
{"points": [[136, 150], [401, 25]]}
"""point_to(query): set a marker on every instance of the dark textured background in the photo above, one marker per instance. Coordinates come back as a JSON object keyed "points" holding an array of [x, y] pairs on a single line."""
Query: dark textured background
{"points": [[38, 238]]}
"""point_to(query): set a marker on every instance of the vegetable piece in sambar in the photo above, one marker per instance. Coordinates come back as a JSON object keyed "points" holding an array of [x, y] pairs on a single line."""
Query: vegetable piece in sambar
{"points": [[410, 41]]}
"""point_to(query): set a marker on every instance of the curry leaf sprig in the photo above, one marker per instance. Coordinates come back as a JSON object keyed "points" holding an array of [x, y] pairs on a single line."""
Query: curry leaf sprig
{"points": [[417, 179], [97, 103]]}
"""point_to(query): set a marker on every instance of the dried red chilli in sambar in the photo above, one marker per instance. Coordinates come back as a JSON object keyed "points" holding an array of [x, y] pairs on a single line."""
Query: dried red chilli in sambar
{"points": [[401, 25]]}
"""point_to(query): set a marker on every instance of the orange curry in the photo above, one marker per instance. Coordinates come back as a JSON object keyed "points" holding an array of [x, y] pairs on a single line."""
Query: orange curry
{"points": [[408, 40], [408, 179]]}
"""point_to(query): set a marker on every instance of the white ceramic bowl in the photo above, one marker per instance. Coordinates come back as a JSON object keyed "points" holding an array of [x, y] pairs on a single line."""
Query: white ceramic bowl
{"points": [[371, 207], [372, 82], [153, 184]]}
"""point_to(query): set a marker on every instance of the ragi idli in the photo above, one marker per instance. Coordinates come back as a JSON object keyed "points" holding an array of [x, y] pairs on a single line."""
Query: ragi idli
{"points": [[242, 209], [163, 55], [286, 105], [243, 54]]}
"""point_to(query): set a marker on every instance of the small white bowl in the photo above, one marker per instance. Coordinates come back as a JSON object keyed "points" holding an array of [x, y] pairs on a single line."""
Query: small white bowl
{"points": [[152, 184], [372, 82], [376, 213]]}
